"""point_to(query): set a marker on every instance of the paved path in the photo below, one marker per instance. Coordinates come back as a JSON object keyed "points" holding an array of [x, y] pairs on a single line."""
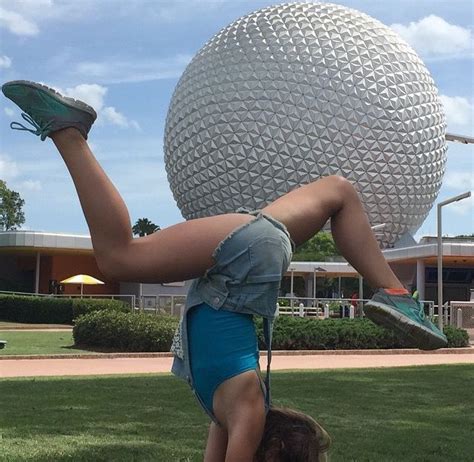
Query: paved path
{"points": [[137, 365]]}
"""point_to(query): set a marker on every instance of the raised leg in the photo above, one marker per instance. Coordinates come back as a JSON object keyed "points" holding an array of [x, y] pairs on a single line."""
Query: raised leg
{"points": [[184, 251], [305, 211], [180, 252]]}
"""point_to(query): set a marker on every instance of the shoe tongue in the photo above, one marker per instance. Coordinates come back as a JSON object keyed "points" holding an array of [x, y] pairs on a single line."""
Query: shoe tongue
{"points": [[396, 291]]}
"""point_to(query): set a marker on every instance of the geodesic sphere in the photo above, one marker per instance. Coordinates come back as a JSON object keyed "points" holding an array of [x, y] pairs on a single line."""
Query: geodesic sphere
{"points": [[295, 92]]}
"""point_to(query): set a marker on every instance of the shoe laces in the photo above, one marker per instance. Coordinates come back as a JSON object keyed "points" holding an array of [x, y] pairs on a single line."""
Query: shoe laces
{"points": [[42, 131], [421, 309]]}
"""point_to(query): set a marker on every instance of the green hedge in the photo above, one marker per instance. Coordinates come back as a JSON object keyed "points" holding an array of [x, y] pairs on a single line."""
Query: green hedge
{"points": [[295, 333], [142, 332], [52, 310], [125, 331], [457, 338]]}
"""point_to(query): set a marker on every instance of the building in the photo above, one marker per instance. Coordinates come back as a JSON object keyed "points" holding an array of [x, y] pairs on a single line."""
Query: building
{"points": [[36, 262]]}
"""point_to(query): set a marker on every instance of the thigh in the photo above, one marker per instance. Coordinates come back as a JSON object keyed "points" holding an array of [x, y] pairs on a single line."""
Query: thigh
{"points": [[179, 252], [305, 210]]}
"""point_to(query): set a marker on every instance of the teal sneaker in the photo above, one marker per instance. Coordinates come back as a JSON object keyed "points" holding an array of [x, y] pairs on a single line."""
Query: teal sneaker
{"points": [[400, 312], [46, 110]]}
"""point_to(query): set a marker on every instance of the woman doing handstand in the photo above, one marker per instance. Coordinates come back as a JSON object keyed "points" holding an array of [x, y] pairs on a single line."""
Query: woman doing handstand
{"points": [[237, 260]]}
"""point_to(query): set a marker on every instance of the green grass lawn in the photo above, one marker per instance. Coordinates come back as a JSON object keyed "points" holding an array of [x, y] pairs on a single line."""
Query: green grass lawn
{"points": [[38, 343], [16, 325], [380, 415]]}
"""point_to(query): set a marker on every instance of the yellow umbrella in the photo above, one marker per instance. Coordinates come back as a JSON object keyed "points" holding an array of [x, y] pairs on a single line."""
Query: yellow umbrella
{"points": [[82, 279]]}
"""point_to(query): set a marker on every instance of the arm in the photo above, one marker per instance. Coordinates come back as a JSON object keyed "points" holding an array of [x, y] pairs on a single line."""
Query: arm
{"points": [[239, 405], [216, 444]]}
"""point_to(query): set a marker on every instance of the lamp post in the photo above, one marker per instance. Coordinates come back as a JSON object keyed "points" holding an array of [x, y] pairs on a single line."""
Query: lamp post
{"points": [[440, 254]]}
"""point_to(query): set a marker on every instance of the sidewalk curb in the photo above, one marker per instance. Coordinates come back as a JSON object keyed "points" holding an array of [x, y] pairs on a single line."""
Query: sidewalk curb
{"points": [[442, 351]]}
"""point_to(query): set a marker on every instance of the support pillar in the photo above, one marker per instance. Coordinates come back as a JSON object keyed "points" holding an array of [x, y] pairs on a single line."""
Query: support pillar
{"points": [[309, 288], [360, 304], [291, 289], [420, 279], [361, 287], [37, 272], [314, 284]]}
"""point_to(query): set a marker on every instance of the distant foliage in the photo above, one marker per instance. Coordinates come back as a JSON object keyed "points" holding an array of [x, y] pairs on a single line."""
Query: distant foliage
{"points": [[51, 310], [116, 331], [125, 331], [11, 205], [319, 248], [144, 227], [295, 333], [456, 337]]}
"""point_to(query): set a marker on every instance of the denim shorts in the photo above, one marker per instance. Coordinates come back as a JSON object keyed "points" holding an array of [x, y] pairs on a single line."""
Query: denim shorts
{"points": [[249, 266]]}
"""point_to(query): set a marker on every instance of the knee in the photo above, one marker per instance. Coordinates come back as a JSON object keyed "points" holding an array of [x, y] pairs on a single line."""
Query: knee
{"points": [[338, 181], [109, 266], [341, 185], [334, 191]]}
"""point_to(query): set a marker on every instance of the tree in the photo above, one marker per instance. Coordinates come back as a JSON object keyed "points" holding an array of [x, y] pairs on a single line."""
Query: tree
{"points": [[318, 248], [11, 213], [144, 227]]}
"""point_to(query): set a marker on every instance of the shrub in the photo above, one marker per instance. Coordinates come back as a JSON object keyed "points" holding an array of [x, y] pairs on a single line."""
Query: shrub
{"points": [[295, 333], [82, 306], [457, 338], [141, 332], [52, 310], [125, 331]]}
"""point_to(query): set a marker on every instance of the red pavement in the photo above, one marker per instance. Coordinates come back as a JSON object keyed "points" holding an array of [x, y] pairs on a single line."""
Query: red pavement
{"points": [[156, 364]]}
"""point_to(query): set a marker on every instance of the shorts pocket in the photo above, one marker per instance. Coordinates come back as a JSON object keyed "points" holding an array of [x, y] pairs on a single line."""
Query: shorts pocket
{"points": [[267, 257]]}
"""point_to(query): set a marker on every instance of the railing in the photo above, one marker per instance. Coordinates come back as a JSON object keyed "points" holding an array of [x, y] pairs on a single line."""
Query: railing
{"points": [[162, 304], [293, 306], [331, 307], [321, 307], [460, 314]]}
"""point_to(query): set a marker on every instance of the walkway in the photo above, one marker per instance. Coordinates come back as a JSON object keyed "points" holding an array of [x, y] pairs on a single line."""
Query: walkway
{"points": [[155, 363]]}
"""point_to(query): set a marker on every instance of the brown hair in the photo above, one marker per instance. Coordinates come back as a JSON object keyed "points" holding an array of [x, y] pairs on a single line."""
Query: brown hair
{"points": [[291, 436]]}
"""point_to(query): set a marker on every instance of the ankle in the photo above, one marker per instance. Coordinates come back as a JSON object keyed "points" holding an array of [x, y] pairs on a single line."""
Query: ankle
{"points": [[66, 134], [396, 290]]}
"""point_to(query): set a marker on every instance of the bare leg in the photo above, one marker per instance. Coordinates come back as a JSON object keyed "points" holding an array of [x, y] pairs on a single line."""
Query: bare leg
{"points": [[216, 446], [305, 211], [184, 251], [180, 252], [239, 405]]}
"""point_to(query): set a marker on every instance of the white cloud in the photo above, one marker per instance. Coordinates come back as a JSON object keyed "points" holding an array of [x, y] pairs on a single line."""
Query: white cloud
{"points": [[27, 17], [8, 168], [459, 111], [433, 35], [133, 70], [91, 94], [9, 112], [117, 118], [23, 17], [5, 62], [459, 180], [31, 185], [94, 95], [178, 10], [17, 24], [112, 115]]}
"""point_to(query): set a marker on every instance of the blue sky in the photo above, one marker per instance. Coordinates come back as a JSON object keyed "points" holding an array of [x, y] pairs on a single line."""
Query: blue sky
{"points": [[125, 58]]}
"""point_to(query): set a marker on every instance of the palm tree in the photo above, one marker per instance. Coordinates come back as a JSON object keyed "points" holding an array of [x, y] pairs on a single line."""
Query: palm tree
{"points": [[143, 227]]}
